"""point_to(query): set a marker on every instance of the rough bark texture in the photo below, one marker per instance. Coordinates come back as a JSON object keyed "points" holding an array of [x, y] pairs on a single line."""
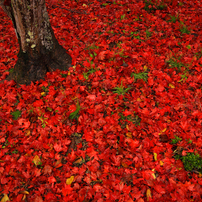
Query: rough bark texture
{"points": [[40, 51]]}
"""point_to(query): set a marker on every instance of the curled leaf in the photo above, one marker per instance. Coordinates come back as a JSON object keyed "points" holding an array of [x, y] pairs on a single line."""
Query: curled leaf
{"points": [[155, 156]]}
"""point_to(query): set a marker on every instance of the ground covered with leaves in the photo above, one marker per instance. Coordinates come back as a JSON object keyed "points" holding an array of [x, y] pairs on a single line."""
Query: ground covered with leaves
{"points": [[124, 123]]}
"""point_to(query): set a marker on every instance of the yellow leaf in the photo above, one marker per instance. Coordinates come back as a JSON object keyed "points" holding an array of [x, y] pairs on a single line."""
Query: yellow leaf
{"points": [[155, 156], [27, 132], [164, 130], [153, 174], [161, 163], [37, 160], [127, 127], [145, 67], [171, 85], [24, 192], [84, 5], [148, 193], [94, 19], [43, 93], [139, 100], [5, 198], [129, 135], [70, 180]]}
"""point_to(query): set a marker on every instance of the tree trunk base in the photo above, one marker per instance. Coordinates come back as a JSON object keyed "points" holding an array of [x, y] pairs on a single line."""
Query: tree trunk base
{"points": [[34, 68]]}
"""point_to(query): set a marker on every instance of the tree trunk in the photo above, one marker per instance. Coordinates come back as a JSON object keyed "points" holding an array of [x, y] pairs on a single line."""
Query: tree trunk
{"points": [[40, 51]]}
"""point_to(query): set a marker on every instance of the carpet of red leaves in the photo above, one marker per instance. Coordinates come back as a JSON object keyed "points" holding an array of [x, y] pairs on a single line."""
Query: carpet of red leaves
{"points": [[102, 131]]}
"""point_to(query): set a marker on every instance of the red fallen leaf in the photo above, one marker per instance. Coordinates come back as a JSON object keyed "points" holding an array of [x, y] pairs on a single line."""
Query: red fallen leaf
{"points": [[134, 143], [86, 64], [1, 169], [91, 97], [190, 186], [89, 136], [82, 88], [72, 108], [110, 72], [67, 189], [184, 125], [4, 180], [24, 122], [72, 156], [145, 111], [101, 55], [20, 197], [159, 189], [90, 111], [160, 88], [184, 153], [51, 180], [47, 169], [2, 140], [126, 113], [38, 103], [26, 174], [38, 199], [57, 147], [134, 56], [140, 200], [50, 197]]}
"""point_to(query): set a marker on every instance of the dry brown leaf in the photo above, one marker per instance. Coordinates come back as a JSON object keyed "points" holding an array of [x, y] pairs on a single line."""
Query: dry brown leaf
{"points": [[47, 169], [58, 163], [124, 164], [78, 160]]}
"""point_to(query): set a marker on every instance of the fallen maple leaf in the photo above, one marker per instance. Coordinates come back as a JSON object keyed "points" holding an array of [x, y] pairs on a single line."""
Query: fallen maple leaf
{"points": [[70, 180], [37, 160], [57, 147], [102, 55], [126, 113], [91, 97], [51, 180], [148, 194], [47, 169], [5, 198]]}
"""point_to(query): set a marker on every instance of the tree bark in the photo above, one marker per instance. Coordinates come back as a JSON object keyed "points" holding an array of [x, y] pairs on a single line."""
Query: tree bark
{"points": [[40, 51]]}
